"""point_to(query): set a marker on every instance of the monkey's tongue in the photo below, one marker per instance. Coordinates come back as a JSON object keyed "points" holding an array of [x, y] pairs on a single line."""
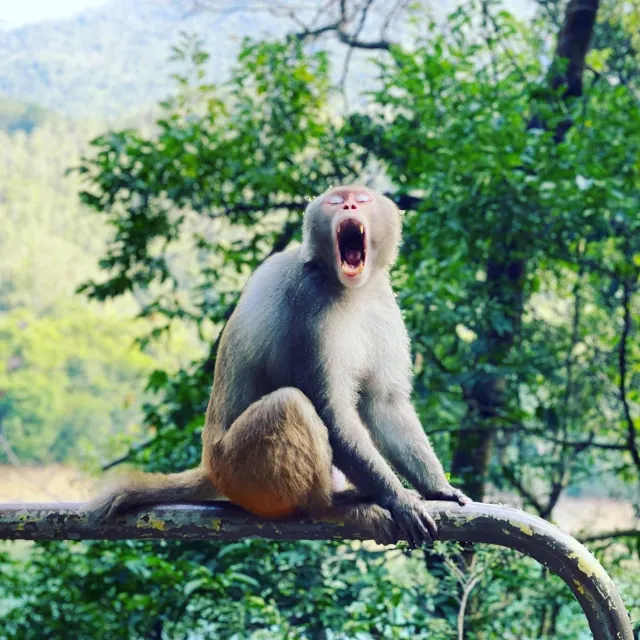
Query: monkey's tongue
{"points": [[353, 257]]}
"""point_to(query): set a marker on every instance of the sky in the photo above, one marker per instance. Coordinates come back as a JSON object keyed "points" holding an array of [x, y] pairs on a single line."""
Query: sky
{"points": [[15, 14]]}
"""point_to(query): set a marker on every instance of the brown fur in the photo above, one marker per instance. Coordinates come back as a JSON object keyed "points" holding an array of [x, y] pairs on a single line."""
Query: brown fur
{"points": [[136, 488], [275, 459]]}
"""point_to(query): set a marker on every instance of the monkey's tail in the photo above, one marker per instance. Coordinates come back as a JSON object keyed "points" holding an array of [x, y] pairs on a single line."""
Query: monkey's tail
{"points": [[138, 488]]}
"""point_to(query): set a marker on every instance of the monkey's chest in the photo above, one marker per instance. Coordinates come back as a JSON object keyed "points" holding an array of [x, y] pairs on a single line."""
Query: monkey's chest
{"points": [[350, 348]]}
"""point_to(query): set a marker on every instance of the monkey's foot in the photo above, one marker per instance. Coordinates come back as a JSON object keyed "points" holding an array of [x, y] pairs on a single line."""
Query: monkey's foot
{"points": [[448, 493], [413, 520]]}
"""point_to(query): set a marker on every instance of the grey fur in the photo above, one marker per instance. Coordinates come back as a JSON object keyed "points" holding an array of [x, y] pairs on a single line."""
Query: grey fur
{"points": [[298, 324], [304, 322]]}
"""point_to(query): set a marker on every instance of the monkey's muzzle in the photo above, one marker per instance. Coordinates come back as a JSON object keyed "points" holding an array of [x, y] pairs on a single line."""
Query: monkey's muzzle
{"points": [[351, 246]]}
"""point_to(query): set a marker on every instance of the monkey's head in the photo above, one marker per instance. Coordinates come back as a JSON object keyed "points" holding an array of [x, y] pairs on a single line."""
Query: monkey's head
{"points": [[352, 231]]}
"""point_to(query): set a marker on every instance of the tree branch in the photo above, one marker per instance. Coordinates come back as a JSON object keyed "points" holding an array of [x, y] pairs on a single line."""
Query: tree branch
{"points": [[573, 44], [353, 42], [338, 27], [611, 535], [475, 523], [622, 365]]}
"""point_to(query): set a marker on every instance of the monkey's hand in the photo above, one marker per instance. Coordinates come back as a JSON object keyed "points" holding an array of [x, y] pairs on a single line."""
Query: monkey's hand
{"points": [[414, 523], [448, 493]]}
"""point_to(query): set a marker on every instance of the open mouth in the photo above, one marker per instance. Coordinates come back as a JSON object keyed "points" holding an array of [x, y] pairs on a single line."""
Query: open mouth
{"points": [[351, 246]]}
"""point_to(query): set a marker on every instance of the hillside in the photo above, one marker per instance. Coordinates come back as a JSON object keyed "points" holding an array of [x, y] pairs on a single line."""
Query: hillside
{"points": [[21, 116], [113, 59]]}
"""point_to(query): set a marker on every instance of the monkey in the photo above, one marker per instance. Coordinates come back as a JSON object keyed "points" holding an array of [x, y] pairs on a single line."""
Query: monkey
{"points": [[310, 410]]}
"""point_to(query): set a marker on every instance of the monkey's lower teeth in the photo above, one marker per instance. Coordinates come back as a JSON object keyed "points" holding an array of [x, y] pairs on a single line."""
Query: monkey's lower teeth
{"points": [[352, 270]]}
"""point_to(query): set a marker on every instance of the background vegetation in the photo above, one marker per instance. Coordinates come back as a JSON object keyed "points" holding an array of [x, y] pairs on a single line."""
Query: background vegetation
{"points": [[515, 159]]}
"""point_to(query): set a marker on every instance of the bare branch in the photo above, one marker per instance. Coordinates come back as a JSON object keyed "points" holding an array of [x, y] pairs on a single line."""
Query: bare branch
{"points": [[351, 41], [611, 535], [347, 62], [468, 588], [127, 456], [314, 33]]}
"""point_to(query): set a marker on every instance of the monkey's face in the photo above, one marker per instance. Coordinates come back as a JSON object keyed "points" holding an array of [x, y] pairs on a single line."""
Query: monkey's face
{"points": [[353, 231]]}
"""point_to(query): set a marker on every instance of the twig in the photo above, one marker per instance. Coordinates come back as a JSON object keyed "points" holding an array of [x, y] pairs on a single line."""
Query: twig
{"points": [[463, 605], [123, 458], [610, 535]]}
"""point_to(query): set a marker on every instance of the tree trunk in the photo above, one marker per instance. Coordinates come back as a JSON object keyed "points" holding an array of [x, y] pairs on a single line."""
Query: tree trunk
{"points": [[486, 395]]}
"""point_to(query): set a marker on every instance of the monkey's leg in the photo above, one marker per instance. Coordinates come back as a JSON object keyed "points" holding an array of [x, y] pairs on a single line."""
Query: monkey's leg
{"points": [[275, 459]]}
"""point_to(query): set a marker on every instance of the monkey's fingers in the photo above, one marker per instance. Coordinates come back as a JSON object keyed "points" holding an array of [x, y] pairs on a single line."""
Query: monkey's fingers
{"points": [[431, 525], [423, 526], [449, 493], [459, 497], [412, 534], [463, 499], [422, 534], [408, 524]]}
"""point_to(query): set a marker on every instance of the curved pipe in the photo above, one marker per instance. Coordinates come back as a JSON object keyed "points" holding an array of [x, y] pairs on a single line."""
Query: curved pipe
{"points": [[476, 522]]}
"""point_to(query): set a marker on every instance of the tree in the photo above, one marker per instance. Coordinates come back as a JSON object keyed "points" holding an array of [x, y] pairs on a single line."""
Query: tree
{"points": [[518, 278]]}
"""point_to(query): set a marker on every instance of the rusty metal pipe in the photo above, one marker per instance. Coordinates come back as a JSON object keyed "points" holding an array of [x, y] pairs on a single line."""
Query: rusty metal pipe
{"points": [[477, 522]]}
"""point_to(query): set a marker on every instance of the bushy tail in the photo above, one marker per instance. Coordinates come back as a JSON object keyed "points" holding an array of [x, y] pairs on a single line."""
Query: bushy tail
{"points": [[138, 488]]}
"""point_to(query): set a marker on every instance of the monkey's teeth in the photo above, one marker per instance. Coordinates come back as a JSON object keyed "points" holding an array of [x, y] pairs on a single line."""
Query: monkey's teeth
{"points": [[350, 270], [361, 227]]}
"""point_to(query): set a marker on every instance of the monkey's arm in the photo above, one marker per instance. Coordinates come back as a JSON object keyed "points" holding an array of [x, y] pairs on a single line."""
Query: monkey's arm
{"points": [[396, 428], [357, 456]]}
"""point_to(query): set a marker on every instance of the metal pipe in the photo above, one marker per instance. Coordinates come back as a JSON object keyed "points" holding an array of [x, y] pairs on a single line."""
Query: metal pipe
{"points": [[477, 522]]}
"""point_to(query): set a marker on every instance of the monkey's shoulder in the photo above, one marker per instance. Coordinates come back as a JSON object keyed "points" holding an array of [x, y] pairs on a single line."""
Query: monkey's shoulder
{"points": [[282, 283]]}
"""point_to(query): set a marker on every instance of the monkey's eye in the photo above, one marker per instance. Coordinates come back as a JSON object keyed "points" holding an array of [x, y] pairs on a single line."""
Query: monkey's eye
{"points": [[363, 197], [335, 199]]}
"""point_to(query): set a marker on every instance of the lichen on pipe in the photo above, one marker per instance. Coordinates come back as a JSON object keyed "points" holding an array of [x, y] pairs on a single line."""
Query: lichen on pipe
{"points": [[477, 522]]}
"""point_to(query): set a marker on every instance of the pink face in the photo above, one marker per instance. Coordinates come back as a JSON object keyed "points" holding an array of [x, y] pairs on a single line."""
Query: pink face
{"points": [[350, 209]]}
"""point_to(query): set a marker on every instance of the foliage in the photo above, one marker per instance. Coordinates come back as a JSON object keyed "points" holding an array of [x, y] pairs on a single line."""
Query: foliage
{"points": [[48, 243], [268, 590], [63, 381], [496, 191], [519, 283]]}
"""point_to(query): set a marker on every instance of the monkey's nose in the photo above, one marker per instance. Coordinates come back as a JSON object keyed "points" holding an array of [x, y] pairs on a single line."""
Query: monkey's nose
{"points": [[346, 206]]}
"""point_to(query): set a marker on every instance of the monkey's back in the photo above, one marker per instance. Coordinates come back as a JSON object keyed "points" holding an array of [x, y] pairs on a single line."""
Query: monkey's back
{"points": [[270, 340]]}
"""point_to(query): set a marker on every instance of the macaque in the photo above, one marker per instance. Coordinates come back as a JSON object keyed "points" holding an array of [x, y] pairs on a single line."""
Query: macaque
{"points": [[312, 389]]}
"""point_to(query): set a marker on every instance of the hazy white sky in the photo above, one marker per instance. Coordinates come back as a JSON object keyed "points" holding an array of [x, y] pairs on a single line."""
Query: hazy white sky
{"points": [[14, 13]]}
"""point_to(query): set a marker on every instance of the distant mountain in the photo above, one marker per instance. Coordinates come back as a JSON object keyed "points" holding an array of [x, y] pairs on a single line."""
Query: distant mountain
{"points": [[20, 116], [110, 60]]}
